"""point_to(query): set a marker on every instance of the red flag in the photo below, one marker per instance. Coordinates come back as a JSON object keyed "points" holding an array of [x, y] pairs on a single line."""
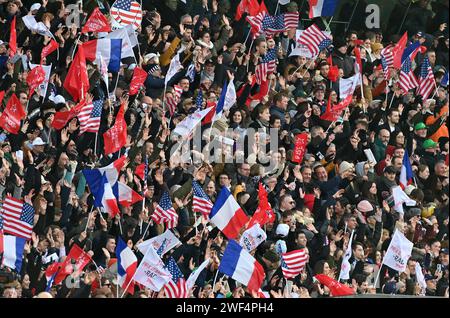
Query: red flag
{"points": [[74, 262], [358, 58], [35, 78], [209, 117], [422, 49], [247, 6], [116, 137], [333, 73], [140, 171], [301, 141], [139, 77], [62, 118], [13, 38], [2, 94], [264, 213], [77, 81], [336, 288], [97, 22], [263, 8], [263, 91], [49, 49], [398, 49], [13, 114], [333, 113]]}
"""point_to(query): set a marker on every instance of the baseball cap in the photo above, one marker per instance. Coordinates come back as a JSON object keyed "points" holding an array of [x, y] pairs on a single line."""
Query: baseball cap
{"points": [[282, 229], [419, 126], [444, 250], [38, 142], [427, 144]]}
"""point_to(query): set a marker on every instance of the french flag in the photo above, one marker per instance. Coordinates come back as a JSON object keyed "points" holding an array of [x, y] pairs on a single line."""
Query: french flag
{"points": [[227, 215], [108, 50], [322, 8], [406, 174], [238, 264], [102, 191], [127, 196], [126, 265], [13, 251]]}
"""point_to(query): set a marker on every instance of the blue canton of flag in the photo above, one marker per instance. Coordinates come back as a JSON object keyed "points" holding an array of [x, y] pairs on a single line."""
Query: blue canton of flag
{"points": [[325, 44], [270, 56], [424, 67], [406, 67], [199, 100], [123, 4], [28, 214], [172, 267], [162, 248], [1, 222], [165, 201]]}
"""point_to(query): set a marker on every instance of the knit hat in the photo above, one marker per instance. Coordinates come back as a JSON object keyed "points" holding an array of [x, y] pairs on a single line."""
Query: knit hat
{"points": [[339, 42], [282, 229], [412, 213], [271, 256], [344, 166], [364, 206]]}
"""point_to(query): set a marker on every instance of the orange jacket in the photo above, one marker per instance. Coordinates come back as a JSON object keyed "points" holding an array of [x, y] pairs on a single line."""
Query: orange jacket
{"points": [[443, 130]]}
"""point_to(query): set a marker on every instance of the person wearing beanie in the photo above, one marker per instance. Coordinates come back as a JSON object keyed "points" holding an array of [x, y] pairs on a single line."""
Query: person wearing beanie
{"points": [[270, 260], [340, 57]]}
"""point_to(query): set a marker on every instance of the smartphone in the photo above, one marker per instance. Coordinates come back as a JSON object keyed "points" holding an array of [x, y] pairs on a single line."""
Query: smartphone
{"points": [[439, 268]]}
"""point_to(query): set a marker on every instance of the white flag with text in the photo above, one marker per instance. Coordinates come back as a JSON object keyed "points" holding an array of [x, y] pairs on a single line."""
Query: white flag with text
{"points": [[151, 272], [398, 252]]}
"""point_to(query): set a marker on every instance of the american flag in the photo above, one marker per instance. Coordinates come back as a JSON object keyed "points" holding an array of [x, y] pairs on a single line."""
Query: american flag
{"points": [[172, 101], [90, 117], [176, 287], [387, 60], [325, 44], [312, 38], [292, 263], [199, 100], [165, 212], [256, 23], [126, 12], [1, 233], [280, 23], [426, 79], [407, 78], [268, 65], [200, 202], [18, 217]]}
